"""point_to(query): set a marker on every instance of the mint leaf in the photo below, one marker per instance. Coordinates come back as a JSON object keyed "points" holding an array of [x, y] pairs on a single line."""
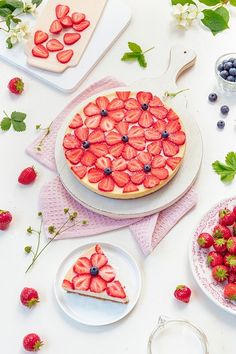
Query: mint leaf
{"points": [[233, 2], [182, 2], [230, 160], [19, 126], [210, 2], [18, 116], [214, 21], [130, 56], [142, 61], [134, 47], [5, 124]]}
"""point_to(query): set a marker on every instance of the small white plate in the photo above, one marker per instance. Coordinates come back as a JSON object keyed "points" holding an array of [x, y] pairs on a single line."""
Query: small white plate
{"points": [[94, 312], [197, 256]]}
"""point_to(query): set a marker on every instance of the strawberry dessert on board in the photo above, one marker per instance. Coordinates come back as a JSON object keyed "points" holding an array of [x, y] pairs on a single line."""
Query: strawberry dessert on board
{"points": [[125, 145], [92, 275]]}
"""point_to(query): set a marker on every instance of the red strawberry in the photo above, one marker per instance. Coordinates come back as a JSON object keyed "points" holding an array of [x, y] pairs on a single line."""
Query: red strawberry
{"points": [[96, 136], [170, 149], [16, 86], [220, 273], [205, 240], [81, 282], [130, 187], [80, 171], [27, 176], [56, 27], [151, 181], [106, 185], [123, 95], [71, 38], [77, 17], [107, 273], [97, 285], [66, 284], [32, 342], [182, 293], [234, 229], [66, 22], [230, 291], [146, 120], [98, 260], [98, 249], [40, 51], [99, 150], [81, 26], [88, 159], [159, 112], [76, 122], [234, 210], [115, 289], [40, 37], [120, 178], [232, 278], [53, 45], [71, 142], [29, 297], [214, 259], [220, 231], [220, 245], [226, 259], [74, 155], [231, 260], [5, 219], [171, 115], [95, 175], [231, 245], [65, 56], [107, 124], [226, 217], [82, 265], [62, 11], [160, 173], [173, 162]]}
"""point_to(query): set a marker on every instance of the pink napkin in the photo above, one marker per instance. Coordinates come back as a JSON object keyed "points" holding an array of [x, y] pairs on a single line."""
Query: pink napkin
{"points": [[148, 231]]}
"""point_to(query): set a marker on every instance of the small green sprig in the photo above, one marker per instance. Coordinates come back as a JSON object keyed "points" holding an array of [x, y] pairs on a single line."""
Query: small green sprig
{"points": [[168, 94], [227, 170], [136, 54], [47, 131], [15, 120], [69, 223]]}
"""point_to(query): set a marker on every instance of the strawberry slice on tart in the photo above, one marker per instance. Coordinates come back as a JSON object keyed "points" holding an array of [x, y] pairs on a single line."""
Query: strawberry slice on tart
{"points": [[92, 275]]}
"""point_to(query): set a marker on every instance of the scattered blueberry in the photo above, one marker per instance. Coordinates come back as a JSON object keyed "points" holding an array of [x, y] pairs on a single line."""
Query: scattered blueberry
{"points": [[86, 144], [94, 271], [224, 74], [230, 78], [224, 109], [107, 171], [212, 97], [221, 124], [232, 71], [228, 65]]}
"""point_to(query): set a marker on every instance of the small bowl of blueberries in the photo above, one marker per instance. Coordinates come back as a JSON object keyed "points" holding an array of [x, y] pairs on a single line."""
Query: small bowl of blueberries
{"points": [[226, 72]]}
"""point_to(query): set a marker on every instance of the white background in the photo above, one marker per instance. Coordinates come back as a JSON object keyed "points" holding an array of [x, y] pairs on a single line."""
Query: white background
{"points": [[168, 265]]}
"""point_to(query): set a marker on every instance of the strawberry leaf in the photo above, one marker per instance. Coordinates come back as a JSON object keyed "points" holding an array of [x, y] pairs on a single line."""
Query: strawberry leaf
{"points": [[18, 116], [233, 2], [19, 126], [226, 171], [182, 2], [134, 47], [231, 159], [6, 124], [130, 56], [142, 61]]}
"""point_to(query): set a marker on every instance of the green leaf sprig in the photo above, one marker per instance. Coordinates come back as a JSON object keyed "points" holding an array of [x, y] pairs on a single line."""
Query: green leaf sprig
{"points": [[15, 120], [136, 54], [227, 170]]}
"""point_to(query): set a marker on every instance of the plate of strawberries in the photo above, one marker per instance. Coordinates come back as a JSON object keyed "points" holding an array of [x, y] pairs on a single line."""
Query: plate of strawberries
{"points": [[213, 254]]}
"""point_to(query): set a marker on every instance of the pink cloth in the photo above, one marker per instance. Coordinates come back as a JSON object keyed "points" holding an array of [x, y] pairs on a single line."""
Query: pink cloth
{"points": [[148, 231]]}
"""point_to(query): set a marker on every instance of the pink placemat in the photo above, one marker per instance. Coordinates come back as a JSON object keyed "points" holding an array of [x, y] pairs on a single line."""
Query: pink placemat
{"points": [[148, 231]]}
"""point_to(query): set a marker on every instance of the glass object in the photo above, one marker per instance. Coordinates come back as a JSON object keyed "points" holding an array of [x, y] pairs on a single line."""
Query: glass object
{"points": [[224, 84], [177, 336]]}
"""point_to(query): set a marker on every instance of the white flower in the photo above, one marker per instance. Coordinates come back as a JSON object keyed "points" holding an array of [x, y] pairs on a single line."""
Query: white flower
{"points": [[19, 32], [186, 14], [29, 7]]}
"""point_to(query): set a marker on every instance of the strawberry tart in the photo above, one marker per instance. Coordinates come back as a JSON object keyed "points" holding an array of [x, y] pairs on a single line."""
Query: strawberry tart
{"points": [[93, 276], [125, 145]]}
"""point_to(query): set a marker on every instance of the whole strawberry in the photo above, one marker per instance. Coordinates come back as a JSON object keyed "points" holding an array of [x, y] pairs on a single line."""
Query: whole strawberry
{"points": [[234, 210], [16, 86], [205, 240], [27, 176], [32, 342], [221, 231], [220, 245], [234, 229], [231, 245], [182, 293], [5, 219], [232, 278], [226, 217], [220, 273], [232, 263], [29, 297], [230, 291], [214, 259]]}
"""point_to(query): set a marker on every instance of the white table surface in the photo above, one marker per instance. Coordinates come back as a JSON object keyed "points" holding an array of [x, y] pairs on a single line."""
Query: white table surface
{"points": [[168, 264]]}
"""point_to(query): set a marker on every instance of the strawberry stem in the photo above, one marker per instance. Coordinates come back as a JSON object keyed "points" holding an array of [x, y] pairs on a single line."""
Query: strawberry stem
{"points": [[47, 132], [148, 50]]}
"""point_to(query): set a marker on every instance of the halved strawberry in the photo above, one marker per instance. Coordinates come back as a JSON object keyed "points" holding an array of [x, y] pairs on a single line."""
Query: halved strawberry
{"points": [[97, 285], [74, 155], [120, 178], [62, 10], [53, 45], [129, 152], [40, 37], [95, 175], [113, 138], [91, 109], [172, 115], [130, 187], [173, 126], [136, 132], [106, 185], [115, 104], [116, 150], [96, 136], [40, 51], [152, 134], [160, 173], [133, 116], [80, 171], [65, 56], [70, 142], [158, 161], [159, 112], [107, 124], [138, 177], [88, 159], [93, 122], [76, 121], [102, 102], [145, 158], [123, 95], [146, 120], [132, 104], [173, 162], [170, 149], [122, 128], [151, 181], [103, 162], [77, 17], [98, 249], [82, 133], [178, 138], [117, 115], [98, 260], [115, 289], [66, 22], [144, 97], [56, 27], [155, 148], [71, 38], [81, 26], [119, 165], [107, 273], [156, 102], [137, 143], [66, 284], [135, 166], [82, 282], [82, 266], [99, 149]]}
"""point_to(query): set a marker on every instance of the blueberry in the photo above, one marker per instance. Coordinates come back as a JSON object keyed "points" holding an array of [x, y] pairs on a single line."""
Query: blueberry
{"points": [[231, 59], [104, 113], [224, 74], [212, 97], [165, 134], [232, 71], [94, 271], [86, 144], [228, 65], [220, 67], [125, 138], [224, 61], [147, 168], [108, 171], [234, 64], [230, 78], [145, 106], [224, 109], [221, 124]]}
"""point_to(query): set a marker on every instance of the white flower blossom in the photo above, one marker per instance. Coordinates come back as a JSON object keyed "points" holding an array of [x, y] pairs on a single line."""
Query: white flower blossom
{"points": [[186, 14], [29, 7], [19, 32]]}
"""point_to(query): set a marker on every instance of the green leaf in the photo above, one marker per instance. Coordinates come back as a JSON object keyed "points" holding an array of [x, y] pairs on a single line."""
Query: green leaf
{"points": [[134, 47], [182, 2], [230, 160], [214, 21], [223, 12], [4, 11], [17, 4], [37, 2], [9, 43], [18, 116], [6, 124], [8, 22], [16, 20], [142, 61], [130, 56], [233, 2], [19, 126], [210, 2]]}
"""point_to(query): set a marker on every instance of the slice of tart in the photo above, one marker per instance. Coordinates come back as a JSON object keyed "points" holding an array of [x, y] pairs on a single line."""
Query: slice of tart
{"points": [[92, 275]]}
